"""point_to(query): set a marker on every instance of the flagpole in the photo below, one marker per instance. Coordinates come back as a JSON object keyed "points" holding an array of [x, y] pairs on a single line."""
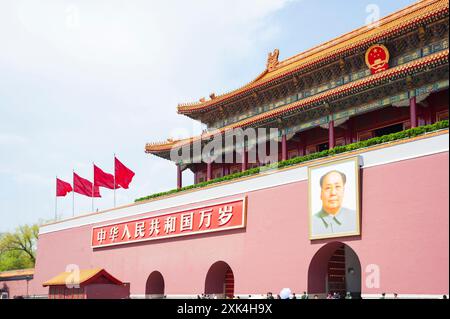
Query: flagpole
{"points": [[73, 193], [56, 199], [93, 182], [114, 180]]}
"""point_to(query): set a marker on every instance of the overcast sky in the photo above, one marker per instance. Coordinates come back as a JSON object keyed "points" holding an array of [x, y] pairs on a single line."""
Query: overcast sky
{"points": [[82, 80]]}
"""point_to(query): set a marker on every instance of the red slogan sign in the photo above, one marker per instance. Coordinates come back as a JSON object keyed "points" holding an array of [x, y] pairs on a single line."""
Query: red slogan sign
{"points": [[217, 217]]}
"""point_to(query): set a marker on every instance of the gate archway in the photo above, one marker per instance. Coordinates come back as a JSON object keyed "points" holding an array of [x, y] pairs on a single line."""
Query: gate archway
{"points": [[335, 268], [220, 280], [154, 287]]}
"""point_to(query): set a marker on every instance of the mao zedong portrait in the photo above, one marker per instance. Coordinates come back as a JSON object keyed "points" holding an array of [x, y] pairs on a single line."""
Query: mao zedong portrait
{"points": [[333, 218]]}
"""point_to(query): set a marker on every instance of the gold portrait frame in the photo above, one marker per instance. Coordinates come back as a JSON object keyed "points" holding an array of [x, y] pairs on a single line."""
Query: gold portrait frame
{"points": [[356, 160]]}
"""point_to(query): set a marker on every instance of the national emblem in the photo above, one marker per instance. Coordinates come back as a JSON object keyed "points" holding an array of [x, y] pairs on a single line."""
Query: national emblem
{"points": [[377, 58]]}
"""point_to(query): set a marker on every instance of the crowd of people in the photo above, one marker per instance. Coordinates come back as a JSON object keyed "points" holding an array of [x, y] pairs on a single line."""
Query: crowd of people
{"points": [[335, 295], [270, 295]]}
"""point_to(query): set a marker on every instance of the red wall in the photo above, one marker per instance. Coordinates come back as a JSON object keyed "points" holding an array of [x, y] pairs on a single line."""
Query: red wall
{"points": [[107, 291], [405, 227], [15, 287]]}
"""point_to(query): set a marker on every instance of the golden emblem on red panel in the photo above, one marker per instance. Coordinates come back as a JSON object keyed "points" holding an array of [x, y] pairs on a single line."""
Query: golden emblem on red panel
{"points": [[377, 58]]}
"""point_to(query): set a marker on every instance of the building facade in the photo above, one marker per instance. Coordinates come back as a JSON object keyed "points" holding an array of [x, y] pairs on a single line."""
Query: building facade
{"points": [[15, 283], [257, 233]]}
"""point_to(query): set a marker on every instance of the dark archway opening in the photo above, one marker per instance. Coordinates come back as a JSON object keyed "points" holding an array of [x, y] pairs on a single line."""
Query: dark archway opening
{"points": [[335, 268], [220, 280], [154, 288]]}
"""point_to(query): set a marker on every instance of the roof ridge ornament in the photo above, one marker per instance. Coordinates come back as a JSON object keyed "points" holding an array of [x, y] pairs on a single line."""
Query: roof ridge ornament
{"points": [[272, 60]]}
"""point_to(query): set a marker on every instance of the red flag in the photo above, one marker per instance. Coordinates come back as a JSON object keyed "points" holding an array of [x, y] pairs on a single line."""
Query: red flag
{"points": [[124, 175], [62, 187], [84, 187], [103, 179]]}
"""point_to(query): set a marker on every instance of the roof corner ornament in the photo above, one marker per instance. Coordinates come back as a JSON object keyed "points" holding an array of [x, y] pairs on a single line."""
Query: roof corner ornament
{"points": [[212, 96], [202, 99], [272, 60]]}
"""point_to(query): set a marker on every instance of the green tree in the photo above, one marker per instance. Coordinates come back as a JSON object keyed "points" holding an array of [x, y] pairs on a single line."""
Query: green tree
{"points": [[18, 249], [14, 260]]}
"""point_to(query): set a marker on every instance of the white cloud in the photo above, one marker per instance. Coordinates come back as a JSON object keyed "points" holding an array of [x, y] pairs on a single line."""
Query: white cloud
{"points": [[12, 139]]}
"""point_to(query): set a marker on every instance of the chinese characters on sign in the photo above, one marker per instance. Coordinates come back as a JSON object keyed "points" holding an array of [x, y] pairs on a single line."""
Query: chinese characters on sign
{"points": [[218, 217]]}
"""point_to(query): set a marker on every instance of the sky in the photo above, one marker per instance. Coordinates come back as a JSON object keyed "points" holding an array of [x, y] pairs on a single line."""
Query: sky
{"points": [[82, 80]]}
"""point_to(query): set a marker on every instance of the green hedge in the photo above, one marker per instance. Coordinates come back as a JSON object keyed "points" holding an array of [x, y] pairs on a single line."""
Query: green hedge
{"points": [[300, 159]]}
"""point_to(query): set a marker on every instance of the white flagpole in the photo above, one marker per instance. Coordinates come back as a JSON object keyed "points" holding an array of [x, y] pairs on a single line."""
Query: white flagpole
{"points": [[73, 193], [56, 199], [93, 181], [114, 180]]}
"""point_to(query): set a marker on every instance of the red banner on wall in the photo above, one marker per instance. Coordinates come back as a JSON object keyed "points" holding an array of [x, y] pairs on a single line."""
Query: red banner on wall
{"points": [[213, 218]]}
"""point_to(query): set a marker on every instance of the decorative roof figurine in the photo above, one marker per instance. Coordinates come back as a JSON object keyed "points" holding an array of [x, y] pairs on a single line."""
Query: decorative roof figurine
{"points": [[272, 60]]}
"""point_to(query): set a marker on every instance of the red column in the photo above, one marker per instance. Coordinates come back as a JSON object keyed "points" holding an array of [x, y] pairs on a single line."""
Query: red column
{"points": [[427, 112], [283, 147], [244, 160], [348, 132], [208, 171], [413, 111], [302, 146], [331, 134], [353, 135], [432, 114], [179, 177]]}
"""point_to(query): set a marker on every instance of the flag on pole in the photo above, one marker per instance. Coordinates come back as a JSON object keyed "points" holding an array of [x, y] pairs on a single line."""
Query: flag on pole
{"points": [[102, 179], [123, 174], [84, 187], [62, 187]]}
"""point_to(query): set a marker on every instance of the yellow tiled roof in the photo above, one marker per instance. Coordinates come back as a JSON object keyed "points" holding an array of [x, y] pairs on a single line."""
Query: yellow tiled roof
{"points": [[359, 37], [16, 273], [69, 278], [416, 64]]}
